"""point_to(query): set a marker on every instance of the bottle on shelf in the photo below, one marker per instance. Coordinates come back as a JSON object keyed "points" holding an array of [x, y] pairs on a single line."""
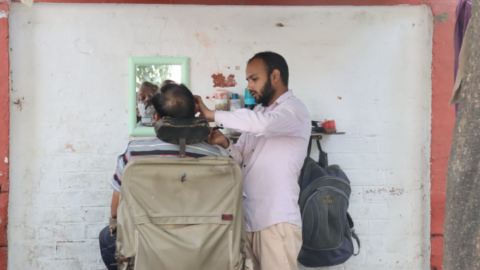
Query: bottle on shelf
{"points": [[235, 102], [249, 100]]}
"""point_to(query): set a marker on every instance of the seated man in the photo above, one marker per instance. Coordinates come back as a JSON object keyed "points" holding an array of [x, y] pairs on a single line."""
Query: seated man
{"points": [[176, 101], [145, 110]]}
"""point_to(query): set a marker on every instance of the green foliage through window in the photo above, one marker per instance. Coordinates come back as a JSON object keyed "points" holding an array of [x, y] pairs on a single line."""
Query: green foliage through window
{"points": [[153, 73]]}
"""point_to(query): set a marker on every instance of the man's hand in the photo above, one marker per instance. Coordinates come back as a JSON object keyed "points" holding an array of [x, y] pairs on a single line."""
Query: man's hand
{"points": [[217, 137], [204, 111]]}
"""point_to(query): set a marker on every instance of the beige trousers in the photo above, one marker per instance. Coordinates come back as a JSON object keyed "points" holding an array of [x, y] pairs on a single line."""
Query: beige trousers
{"points": [[275, 248]]}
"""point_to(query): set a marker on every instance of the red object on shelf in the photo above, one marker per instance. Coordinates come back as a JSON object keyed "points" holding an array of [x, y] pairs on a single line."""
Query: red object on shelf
{"points": [[329, 124]]}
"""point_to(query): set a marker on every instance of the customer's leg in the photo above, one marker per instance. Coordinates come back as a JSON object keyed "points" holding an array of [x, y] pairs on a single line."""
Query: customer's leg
{"points": [[107, 248], [279, 247]]}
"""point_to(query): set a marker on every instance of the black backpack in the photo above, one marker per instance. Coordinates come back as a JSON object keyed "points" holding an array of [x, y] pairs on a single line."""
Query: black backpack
{"points": [[327, 227]]}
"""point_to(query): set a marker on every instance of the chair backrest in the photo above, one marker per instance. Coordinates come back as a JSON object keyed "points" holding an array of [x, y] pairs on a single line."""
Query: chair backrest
{"points": [[193, 130], [181, 213]]}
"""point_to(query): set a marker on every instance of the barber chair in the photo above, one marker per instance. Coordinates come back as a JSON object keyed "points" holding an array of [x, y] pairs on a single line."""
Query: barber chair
{"points": [[181, 213]]}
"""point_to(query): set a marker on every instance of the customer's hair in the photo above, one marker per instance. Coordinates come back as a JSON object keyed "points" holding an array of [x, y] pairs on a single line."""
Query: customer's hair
{"points": [[175, 100], [167, 82], [153, 87], [273, 61]]}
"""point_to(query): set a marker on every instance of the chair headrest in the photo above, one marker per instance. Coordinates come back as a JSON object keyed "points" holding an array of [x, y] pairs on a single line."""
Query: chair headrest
{"points": [[193, 130]]}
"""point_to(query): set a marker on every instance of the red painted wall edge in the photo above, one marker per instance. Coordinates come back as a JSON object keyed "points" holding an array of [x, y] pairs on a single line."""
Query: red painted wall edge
{"points": [[4, 131]]}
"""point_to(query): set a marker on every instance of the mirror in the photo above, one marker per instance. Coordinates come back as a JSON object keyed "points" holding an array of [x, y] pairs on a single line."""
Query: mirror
{"points": [[146, 76]]}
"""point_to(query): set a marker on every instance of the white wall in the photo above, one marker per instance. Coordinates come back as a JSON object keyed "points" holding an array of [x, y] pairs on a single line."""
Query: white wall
{"points": [[366, 67]]}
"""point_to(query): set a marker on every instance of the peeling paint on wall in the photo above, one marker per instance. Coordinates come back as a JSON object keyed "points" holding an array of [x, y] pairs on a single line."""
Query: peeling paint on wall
{"points": [[383, 190], [442, 17], [203, 39], [219, 80], [19, 103]]}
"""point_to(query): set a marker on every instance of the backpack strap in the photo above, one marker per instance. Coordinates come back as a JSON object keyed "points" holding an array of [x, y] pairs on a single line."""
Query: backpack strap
{"points": [[322, 156], [354, 235], [309, 147], [351, 225]]}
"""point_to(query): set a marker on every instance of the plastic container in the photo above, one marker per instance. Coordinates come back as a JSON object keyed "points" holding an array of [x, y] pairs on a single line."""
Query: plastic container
{"points": [[249, 101], [235, 103], [221, 100]]}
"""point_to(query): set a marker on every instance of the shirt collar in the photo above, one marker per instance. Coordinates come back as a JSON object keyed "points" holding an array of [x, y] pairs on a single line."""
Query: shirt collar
{"points": [[283, 97]]}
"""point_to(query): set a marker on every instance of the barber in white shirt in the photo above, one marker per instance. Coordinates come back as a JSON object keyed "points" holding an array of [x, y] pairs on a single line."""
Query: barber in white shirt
{"points": [[270, 151]]}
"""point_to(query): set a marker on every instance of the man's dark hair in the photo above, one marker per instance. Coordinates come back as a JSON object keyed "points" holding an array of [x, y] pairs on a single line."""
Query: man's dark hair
{"points": [[273, 61], [153, 87], [175, 100], [167, 82]]}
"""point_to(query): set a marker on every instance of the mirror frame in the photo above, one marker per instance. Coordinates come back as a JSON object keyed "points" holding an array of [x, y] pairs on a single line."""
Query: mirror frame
{"points": [[133, 61]]}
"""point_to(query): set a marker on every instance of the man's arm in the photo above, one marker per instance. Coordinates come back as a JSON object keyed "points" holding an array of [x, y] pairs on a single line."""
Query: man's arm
{"points": [[116, 181], [285, 121], [233, 150], [114, 205]]}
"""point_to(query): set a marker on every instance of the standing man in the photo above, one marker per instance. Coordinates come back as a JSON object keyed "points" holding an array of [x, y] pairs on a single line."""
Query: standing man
{"points": [[271, 152]]}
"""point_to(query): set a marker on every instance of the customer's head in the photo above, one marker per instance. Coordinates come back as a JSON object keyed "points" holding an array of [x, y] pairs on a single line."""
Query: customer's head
{"points": [[267, 76], [167, 82], [145, 93], [175, 101]]}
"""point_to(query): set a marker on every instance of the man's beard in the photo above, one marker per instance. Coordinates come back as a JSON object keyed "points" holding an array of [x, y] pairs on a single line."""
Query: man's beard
{"points": [[266, 94]]}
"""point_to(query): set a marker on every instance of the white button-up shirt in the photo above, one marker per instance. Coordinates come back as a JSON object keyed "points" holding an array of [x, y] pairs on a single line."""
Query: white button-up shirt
{"points": [[271, 152]]}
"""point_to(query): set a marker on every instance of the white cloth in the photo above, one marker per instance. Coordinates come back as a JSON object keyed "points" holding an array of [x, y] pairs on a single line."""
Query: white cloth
{"points": [[271, 152]]}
